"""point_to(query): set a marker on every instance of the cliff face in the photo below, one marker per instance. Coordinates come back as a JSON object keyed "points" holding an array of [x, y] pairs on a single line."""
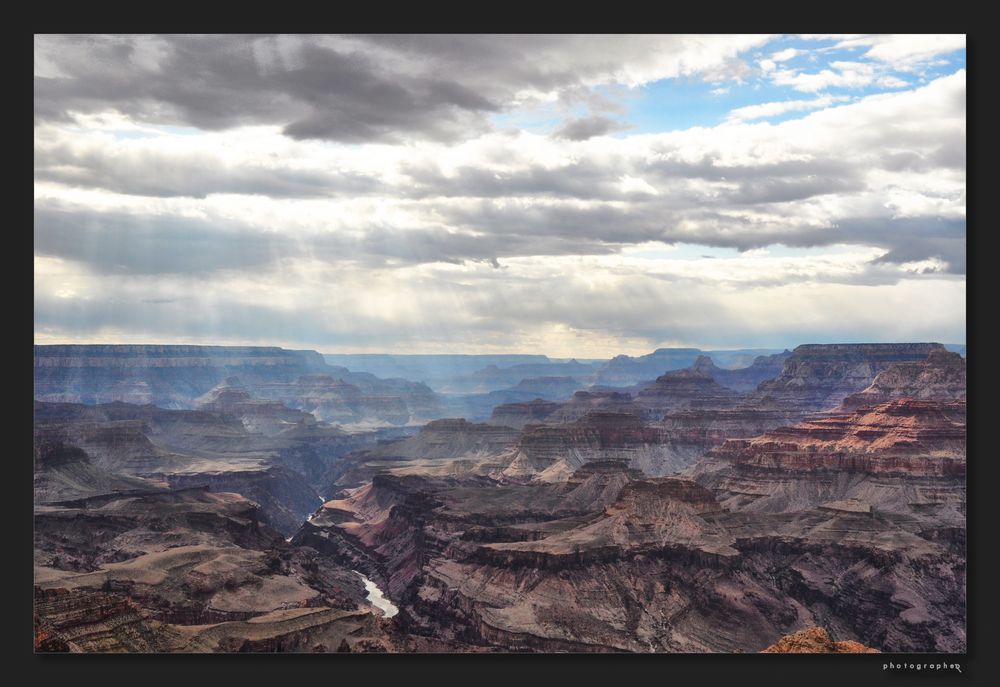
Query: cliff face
{"points": [[905, 456], [187, 571], [451, 438], [266, 417], [836, 520], [517, 415], [819, 376], [554, 452], [640, 565], [906, 436], [92, 622], [442, 447], [86, 450], [690, 388], [940, 377], [585, 402]]}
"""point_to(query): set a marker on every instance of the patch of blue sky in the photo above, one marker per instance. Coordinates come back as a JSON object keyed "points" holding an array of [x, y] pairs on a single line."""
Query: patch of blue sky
{"points": [[690, 101]]}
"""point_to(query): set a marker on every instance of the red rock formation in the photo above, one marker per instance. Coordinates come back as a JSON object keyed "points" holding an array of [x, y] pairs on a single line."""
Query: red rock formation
{"points": [[815, 640], [905, 436], [80, 621]]}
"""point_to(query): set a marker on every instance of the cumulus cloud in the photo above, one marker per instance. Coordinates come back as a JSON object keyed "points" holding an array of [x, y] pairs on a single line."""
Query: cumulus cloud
{"points": [[750, 112], [356, 88], [370, 167]]}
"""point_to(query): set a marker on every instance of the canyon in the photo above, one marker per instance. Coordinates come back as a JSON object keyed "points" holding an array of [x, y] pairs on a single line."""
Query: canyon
{"points": [[223, 499]]}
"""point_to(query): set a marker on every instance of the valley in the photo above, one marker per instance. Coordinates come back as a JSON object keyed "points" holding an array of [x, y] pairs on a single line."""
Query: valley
{"points": [[221, 499]]}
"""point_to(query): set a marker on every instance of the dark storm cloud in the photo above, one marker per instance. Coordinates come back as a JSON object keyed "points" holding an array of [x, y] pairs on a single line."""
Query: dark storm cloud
{"points": [[214, 82], [354, 89], [587, 127]]}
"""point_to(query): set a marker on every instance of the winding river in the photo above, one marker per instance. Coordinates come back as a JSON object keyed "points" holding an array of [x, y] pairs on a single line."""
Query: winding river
{"points": [[377, 598]]}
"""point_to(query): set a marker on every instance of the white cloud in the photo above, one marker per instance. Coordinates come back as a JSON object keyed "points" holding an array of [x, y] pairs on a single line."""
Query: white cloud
{"points": [[762, 110], [785, 55], [843, 75], [906, 52], [514, 240]]}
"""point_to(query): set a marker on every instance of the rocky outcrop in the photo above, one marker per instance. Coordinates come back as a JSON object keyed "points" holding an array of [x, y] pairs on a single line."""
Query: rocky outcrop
{"points": [[553, 452], [940, 377], [334, 400], [86, 450], [819, 376], [452, 438], [905, 457], [816, 640], [266, 417], [66, 472], [443, 447], [81, 621], [661, 567], [689, 388], [517, 415], [586, 402], [906, 436], [284, 497]]}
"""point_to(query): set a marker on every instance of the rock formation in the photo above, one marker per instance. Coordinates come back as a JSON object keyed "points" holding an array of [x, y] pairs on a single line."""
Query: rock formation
{"points": [[815, 640], [517, 415], [687, 516], [940, 377], [689, 388], [819, 376]]}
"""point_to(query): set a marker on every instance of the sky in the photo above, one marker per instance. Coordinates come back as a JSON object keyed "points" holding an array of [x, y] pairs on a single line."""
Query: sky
{"points": [[573, 195]]}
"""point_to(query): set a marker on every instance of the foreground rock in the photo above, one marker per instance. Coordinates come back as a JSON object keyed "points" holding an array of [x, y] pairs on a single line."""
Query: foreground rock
{"points": [[816, 641]]}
